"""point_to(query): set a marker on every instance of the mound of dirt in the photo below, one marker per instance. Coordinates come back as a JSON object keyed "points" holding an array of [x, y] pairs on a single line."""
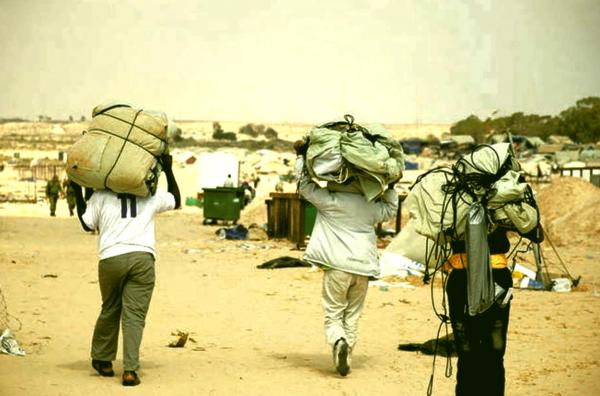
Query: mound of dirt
{"points": [[569, 210]]}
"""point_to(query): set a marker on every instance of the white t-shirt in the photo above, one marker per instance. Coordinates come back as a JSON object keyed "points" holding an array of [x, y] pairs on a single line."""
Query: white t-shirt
{"points": [[125, 224]]}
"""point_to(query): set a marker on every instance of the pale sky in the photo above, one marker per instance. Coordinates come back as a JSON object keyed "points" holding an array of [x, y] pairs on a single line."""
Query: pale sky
{"points": [[299, 61]]}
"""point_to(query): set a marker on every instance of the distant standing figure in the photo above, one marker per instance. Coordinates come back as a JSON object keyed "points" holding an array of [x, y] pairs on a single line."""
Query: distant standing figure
{"points": [[279, 186], [228, 182], [70, 195], [53, 190], [248, 192], [256, 180]]}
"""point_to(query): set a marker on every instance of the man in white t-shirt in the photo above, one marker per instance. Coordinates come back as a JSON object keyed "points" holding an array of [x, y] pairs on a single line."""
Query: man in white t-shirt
{"points": [[125, 224]]}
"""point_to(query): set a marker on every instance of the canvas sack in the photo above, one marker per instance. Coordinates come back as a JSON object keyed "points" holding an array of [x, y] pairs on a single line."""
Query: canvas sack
{"points": [[120, 150]]}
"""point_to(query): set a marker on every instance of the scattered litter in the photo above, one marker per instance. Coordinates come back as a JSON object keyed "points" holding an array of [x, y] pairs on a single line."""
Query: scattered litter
{"points": [[236, 232], [182, 338], [524, 278], [50, 276], [199, 349], [527, 283], [283, 262], [444, 346], [192, 250], [384, 286], [9, 345], [257, 233], [519, 271], [561, 285], [399, 265], [250, 246]]}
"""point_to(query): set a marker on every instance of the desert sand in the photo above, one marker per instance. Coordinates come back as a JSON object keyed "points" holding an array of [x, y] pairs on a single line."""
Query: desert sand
{"points": [[260, 332]]}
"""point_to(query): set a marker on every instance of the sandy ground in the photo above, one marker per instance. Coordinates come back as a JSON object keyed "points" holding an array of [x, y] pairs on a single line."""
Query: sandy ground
{"points": [[260, 332]]}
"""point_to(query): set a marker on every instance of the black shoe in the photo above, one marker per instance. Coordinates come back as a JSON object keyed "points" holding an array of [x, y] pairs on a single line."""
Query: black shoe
{"points": [[103, 367], [341, 350], [130, 378]]}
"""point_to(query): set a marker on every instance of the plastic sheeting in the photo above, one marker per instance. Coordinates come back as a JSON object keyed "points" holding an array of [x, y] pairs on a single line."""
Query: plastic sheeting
{"points": [[9, 345]]}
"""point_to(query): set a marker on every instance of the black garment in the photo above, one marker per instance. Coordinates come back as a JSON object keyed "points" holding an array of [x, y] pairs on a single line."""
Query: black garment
{"points": [[497, 242], [480, 340]]}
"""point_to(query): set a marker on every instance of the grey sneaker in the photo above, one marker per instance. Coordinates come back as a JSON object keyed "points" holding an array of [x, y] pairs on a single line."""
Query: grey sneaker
{"points": [[341, 352]]}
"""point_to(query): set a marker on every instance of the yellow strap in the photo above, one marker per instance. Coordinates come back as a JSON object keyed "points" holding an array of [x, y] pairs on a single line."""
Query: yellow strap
{"points": [[459, 261]]}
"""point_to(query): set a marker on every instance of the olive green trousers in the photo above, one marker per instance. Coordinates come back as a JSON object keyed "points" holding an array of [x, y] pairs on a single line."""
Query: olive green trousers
{"points": [[126, 285]]}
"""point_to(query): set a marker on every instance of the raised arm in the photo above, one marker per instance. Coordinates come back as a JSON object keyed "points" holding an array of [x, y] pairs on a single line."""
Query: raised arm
{"points": [[388, 205], [172, 187], [307, 188], [81, 205]]}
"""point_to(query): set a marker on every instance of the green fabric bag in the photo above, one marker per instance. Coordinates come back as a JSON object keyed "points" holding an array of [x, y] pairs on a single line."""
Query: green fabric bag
{"points": [[338, 151]]}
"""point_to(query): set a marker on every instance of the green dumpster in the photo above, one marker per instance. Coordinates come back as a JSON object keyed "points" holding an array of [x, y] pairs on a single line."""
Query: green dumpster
{"points": [[223, 203]]}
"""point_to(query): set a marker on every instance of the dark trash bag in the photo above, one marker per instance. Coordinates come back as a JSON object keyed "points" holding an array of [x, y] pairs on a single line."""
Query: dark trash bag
{"points": [[238, 232], [283, 262]]}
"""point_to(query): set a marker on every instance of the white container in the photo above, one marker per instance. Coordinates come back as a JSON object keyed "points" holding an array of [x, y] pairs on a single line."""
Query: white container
{"points": [[561, 285], [524, 270]]}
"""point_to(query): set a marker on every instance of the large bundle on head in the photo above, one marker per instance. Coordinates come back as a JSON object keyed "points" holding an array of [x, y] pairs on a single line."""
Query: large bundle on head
{"points": [[343, 151], [120, 150], [439, 201]]}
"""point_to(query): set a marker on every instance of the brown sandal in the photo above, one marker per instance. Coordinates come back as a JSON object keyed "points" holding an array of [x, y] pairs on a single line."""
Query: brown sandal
{"points": [[103, 367], [130, 378]]}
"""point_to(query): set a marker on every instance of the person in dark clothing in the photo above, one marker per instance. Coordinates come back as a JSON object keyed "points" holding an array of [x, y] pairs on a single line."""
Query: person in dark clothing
{"points": [[255, 180], [53, 190], [249, 192], [69, 195], [480, 340]]}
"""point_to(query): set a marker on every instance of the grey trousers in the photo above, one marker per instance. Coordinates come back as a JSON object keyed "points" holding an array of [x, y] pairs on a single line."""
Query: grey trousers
{"points": [[343, 298], [126, 284]]}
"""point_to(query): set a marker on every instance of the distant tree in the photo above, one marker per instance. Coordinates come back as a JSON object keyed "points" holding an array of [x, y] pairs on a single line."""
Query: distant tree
{"points": [[82, 119], [472, 126], [224, 135], [525, 124], [271, 133], [70, 118], [582, 121], [249, 129]]}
